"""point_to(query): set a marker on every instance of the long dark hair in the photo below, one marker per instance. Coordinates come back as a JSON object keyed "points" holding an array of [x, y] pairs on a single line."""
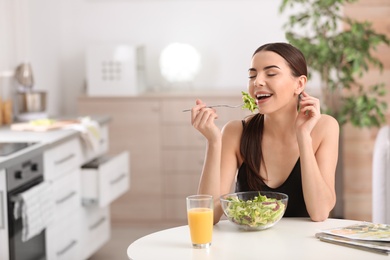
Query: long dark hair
{"points": [[251, 139]]}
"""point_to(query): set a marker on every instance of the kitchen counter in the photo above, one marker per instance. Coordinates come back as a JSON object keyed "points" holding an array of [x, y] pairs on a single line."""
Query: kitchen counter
{"points": [[43, 140], [80, 194]]}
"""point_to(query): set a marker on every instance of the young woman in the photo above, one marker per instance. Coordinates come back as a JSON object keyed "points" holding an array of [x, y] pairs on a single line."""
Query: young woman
{"points": [[288, 147]]}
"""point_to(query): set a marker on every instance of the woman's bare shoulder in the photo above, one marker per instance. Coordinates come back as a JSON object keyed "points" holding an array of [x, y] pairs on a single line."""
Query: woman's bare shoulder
{"points": [[328, 120], [233, 127], [327, 125], [231, 137], [231, 132]]}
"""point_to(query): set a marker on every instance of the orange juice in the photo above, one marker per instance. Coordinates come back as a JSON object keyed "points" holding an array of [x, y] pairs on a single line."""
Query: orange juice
{"points": [[200, 221]]}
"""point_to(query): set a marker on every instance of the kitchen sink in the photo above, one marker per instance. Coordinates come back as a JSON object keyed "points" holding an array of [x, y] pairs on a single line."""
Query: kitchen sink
{"points": [[7, 148]]}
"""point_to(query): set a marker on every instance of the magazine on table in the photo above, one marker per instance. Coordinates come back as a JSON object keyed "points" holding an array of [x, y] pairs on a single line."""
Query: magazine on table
{"points": [[365, 235]]}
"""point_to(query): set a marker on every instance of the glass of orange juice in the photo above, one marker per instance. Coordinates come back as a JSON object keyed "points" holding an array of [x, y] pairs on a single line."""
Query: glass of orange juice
{"points": [[200, 219]]}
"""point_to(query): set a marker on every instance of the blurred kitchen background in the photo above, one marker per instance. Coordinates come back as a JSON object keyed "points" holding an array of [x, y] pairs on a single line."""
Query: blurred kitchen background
{"points": [[66, 43], [55, 35]]}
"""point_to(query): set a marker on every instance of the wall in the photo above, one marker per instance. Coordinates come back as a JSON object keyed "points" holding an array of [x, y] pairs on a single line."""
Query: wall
{"points": [[29, 32], [6, 27]]}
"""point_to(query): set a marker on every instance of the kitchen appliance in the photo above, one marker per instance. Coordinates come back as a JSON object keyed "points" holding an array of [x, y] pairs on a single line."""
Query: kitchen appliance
{"points": [[20, 178], [30, 103], [24, 76]]}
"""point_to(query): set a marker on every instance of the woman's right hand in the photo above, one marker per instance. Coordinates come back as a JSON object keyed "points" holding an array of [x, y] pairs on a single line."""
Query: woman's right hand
{"points": [[202, 119]]}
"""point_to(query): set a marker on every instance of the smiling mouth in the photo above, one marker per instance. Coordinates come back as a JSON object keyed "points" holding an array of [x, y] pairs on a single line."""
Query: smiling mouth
{"points": [[263, 96]]}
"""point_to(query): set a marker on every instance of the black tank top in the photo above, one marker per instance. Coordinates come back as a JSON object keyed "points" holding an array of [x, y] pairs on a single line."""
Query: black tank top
{"points": [[296, 206]]}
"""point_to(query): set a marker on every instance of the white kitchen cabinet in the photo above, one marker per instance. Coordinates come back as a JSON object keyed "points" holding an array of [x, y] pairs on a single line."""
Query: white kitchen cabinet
{"points": [[95, 229], [74, 232], [79, 231], [105, 179], [67, 196], [63, 241], [62, 168], [4, 251], [62, 158]]}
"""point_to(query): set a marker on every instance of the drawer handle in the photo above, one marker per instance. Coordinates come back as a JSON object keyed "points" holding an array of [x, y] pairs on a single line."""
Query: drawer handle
{"points": [[63, 251], [120, 177], [66, 158], [88, 202], [98, 223], [70, 195]]}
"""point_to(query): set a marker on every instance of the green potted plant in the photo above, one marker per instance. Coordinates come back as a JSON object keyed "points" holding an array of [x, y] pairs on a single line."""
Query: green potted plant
{"points": [[340, 50]]}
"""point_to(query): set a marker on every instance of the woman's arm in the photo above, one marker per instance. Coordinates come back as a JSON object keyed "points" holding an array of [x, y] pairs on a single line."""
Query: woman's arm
{"points": [[218, 156], [220, 166], [318, 170], [317, 166], [202, 119]]}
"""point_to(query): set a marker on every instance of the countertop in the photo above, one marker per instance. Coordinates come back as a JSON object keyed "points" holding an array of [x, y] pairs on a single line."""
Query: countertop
{"points": [[43, 140]]}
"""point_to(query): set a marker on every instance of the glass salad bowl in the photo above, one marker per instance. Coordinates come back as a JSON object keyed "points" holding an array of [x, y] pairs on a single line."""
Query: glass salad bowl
{"points": [[254, 210]]}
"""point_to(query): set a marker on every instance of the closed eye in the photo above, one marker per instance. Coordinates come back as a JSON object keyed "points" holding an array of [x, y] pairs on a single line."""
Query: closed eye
{"points": [[271, 75], [252, 73]]}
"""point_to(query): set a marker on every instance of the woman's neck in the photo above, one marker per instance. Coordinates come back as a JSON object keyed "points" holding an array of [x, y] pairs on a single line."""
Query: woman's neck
{"points": [[280, 125]]}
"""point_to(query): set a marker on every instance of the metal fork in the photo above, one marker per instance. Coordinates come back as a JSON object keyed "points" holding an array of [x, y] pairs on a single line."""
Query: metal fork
{"points": [[219, 105]]}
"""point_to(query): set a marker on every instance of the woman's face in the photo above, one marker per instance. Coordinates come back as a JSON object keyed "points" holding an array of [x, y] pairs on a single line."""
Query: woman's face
{"points": [[271, 82]]}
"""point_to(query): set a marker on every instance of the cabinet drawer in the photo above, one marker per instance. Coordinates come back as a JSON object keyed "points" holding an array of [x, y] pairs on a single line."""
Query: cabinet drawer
{"points": [[105, 179], [95, 228], [62, 158], [63, 241], [67, 198]]}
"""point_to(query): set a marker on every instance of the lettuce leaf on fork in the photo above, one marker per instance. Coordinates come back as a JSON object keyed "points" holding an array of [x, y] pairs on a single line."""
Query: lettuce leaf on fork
{"points": [[249, 102]]}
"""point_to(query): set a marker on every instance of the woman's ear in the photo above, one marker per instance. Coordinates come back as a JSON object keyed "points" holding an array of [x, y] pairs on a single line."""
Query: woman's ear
{"points": [[301, 84]]}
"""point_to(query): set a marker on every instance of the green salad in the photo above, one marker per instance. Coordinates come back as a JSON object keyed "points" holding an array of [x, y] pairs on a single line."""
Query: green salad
{"points": [[259, 211], [249, 102]]}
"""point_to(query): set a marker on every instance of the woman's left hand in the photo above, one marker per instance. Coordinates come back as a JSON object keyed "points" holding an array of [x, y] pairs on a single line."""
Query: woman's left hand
{"points": [[309, 113]]}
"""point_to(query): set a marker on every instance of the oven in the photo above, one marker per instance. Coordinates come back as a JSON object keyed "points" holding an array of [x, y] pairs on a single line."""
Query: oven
{"points": [[20, 178]]}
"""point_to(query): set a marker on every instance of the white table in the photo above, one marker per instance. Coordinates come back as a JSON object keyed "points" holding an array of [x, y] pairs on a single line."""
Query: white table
{"points": [[291, 238]]}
